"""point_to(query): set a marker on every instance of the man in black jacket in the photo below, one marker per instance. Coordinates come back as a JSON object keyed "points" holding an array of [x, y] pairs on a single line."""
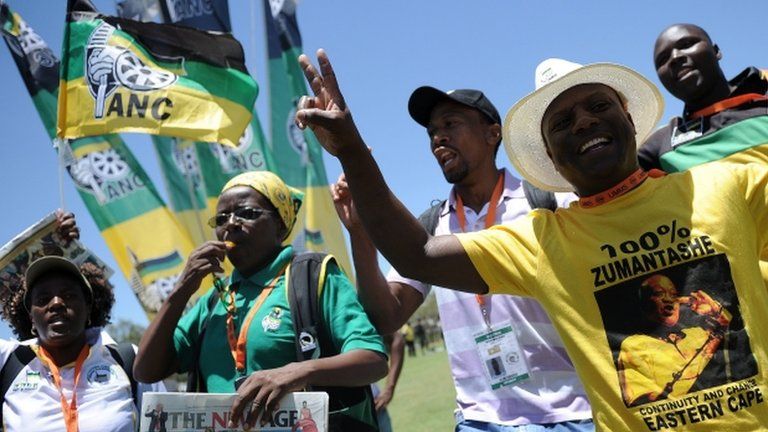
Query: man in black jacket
{"points": [[722, 119]]}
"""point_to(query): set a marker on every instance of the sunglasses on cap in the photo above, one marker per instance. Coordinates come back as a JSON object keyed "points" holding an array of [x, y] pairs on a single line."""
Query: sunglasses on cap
{"points": [[240, 215]]}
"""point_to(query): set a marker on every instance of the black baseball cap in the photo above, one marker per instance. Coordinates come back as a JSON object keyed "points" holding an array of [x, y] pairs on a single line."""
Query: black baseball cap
{"points": [[53, 263], [424, 99]]}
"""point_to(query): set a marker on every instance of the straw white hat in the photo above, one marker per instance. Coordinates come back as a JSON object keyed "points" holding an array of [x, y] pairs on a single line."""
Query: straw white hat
{"points": [[522, 125]]}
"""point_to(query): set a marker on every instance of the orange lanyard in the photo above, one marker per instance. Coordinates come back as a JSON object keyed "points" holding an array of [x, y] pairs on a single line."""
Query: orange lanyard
{"points": [[490, 217], [490, 220], [237, 345], [727, 104], [620, 189], [68, 409]]}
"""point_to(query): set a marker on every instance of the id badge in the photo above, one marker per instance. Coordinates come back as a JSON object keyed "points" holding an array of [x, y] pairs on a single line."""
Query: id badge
{"points": [[687, 132], [501, 356]]}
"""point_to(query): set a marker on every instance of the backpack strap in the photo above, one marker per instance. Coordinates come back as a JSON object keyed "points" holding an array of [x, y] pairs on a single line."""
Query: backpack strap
{"points": [[430, 217], [20, 357], [538, 198], [305, 278], [124, 355], [195, 383]]}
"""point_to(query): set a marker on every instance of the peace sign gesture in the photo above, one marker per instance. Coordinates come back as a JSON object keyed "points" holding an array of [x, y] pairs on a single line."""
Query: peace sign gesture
{"points": [[326, 113]]}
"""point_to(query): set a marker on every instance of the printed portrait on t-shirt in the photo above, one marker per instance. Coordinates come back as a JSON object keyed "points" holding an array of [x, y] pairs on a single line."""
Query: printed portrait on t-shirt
{"points": [[675, 331]]}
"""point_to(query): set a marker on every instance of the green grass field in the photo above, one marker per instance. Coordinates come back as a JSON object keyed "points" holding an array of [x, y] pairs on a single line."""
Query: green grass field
{"points": [[424, 397]]}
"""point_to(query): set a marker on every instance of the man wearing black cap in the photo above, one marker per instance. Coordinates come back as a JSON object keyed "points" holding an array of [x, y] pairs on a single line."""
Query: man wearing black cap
{"points": [[464, 129]]}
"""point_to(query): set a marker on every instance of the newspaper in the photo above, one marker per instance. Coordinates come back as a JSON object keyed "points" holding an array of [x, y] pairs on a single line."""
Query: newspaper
{"points": [[34, 242], [209, 412]]}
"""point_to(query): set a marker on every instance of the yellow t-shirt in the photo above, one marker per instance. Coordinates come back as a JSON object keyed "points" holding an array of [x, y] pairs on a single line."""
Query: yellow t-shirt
{"points": [[704, 230]]}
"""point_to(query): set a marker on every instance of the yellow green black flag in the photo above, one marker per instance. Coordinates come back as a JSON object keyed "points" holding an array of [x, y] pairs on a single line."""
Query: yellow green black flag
{"points": [[149, 245], [297, 154], [120, 75], [194, 171]]}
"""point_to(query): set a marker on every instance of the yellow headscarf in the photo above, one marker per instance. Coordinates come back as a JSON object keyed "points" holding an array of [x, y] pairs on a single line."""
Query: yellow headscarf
{"points": [[286, 199]]}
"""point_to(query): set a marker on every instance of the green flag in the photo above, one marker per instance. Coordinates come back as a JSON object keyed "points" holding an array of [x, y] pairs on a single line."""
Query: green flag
{"points": [[195, 172], [142, 234], [120, 75], [298, 155]]}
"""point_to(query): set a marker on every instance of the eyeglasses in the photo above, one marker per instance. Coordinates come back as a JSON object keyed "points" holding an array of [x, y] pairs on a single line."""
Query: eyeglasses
{"points": [[241, 215]]}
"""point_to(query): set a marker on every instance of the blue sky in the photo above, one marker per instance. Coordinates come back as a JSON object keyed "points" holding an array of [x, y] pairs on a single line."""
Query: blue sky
{"points": [[381, 52]]}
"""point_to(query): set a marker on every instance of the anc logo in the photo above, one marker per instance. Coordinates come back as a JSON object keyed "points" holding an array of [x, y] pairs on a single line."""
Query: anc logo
{"points": [[242, 158], [27, 46], [186, 160], [109, 67], [28, 42], [272, 321], [29, 383], [105, 174]]}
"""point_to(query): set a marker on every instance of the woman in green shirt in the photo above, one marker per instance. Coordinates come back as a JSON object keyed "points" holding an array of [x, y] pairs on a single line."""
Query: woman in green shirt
{"points": [[249, 336]]}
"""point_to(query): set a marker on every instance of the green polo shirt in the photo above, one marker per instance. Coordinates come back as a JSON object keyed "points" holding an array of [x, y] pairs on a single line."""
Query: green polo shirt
{"points": [[270, 343]]}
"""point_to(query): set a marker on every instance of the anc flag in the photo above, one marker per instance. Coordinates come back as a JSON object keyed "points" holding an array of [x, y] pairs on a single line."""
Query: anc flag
{"points": [[733, 130], [149, 245], [745, 141], [203, 15], [297, 154], [140, 10], [144, 237], [37, 64], [195, 172], [120, 75]]}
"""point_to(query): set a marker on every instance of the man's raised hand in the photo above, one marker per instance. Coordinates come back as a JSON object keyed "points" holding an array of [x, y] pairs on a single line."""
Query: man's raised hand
{"points": [[326, 113]]}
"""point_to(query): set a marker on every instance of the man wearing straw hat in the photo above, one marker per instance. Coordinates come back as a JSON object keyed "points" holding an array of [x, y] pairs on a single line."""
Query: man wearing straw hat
{"points": [[703, 229], [464, 131]]}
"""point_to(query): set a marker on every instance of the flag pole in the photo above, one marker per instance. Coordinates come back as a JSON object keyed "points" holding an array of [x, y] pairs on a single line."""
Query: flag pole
{"points": [[58, 145]]}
